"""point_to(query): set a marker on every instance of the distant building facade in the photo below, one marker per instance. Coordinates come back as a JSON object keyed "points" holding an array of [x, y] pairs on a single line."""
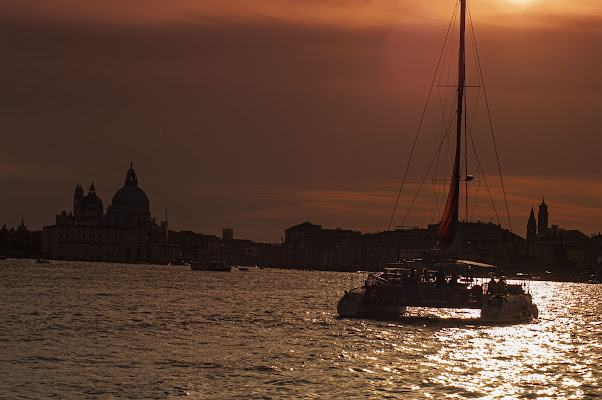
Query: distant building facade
{"points": [[310, 246], [227, 234], [126, 233], [542, 219], [22, 227], [554, 245], [531, 226]]}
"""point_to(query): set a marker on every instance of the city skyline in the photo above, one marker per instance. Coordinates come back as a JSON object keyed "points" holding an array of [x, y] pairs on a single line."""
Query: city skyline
{"points": [[259, 117]]}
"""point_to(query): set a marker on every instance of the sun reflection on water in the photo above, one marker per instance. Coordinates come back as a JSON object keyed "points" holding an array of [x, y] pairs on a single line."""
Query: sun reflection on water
{"points": [[551, 357], [275, 334]]}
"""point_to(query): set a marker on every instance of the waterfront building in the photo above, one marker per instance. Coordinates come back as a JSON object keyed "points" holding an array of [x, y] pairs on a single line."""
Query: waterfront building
{"points": [[22, 227], [542, 219], [531, 226], [556, 246], [227, 234], [126, 233], [310, 246], [196, 246]]}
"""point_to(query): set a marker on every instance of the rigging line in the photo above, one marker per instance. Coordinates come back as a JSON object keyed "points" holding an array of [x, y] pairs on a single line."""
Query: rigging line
{"points": [[421, 121], [469, 127], [427, 172], [472, 121], [418, 191], [438, 194], [380, 253], [490, 121], [474, 204], [484, 177], [474, 149]]}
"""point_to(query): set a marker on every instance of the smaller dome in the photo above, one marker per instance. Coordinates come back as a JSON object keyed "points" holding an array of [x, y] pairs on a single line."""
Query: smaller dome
{"points": [[79, 191], [92, 203]]}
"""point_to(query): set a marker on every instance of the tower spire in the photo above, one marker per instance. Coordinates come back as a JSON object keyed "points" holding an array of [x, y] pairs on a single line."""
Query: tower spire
{"points": [[130, 178]]}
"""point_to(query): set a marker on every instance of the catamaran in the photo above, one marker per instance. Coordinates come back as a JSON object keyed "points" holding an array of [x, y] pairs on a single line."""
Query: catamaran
{"points": [[444, 283]]}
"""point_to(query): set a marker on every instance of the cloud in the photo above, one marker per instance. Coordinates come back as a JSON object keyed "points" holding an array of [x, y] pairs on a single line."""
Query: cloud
{"points": [[367, 206], [310, 107]]}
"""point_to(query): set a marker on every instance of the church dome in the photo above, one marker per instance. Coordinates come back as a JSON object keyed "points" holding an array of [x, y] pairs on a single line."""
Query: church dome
{"points": [[92, 202], [130, 195]]}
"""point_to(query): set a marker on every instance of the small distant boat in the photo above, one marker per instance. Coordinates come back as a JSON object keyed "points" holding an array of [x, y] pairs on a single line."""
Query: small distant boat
{"points": [[209, 266], [42, 261]]}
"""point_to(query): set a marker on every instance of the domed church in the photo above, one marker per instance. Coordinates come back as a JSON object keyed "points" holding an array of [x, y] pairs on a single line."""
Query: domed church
{"points": [[126, 233], [130, 206]]}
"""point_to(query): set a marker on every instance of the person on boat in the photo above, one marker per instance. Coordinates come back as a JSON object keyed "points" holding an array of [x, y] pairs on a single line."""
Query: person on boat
{"points": [[439, 278], [492, 287], [502, 287], [413, 290]]}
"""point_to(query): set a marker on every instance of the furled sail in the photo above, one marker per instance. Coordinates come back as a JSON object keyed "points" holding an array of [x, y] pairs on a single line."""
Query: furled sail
{"points": [[449, 222]]}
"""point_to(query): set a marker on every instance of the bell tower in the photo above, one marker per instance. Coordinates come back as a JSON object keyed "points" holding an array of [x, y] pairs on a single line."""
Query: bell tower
{"points": [[78, 197], [531, 226], [542, 219]]}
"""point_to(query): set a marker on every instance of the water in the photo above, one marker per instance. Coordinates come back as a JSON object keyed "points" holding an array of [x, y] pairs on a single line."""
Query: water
{"points": [[93, 330]]}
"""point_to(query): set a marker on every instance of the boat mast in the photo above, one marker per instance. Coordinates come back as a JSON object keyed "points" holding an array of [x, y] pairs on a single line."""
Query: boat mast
{"points": [[449, 222], [461, 83]]}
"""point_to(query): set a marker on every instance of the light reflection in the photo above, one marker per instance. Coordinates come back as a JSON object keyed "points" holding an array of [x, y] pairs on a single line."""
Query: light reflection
{"points": [[545, 358]]}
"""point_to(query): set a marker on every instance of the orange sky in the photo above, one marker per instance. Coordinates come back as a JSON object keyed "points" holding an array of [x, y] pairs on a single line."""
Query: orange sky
{"points": [[261, 115]]}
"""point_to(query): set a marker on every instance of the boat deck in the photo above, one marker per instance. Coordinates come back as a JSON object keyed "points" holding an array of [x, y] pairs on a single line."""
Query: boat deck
{"points": [[426, 296]]}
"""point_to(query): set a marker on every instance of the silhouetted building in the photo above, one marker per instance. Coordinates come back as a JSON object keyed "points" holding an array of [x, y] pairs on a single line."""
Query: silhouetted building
{"points": [[126, 233], [20, 242], [22, 227], [227, 234], [196, 246], [531, 226], [542, 219], [559, 248], [310, 246]]}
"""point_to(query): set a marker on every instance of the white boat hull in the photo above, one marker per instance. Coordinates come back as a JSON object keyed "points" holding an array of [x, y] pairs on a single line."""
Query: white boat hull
{"points": [[498, 308], [508, 308]]}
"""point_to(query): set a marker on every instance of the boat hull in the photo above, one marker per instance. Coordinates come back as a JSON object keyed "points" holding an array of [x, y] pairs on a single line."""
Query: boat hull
{"points": [[497, 308], [509, 308], [354, 304]]}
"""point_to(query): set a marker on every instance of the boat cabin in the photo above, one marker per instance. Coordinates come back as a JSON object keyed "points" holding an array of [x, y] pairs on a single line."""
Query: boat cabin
{"points": [[444, 284]]}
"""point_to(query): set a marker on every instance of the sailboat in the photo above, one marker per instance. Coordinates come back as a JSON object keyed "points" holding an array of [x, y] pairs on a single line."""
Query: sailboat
{"points": [[451, 283]]}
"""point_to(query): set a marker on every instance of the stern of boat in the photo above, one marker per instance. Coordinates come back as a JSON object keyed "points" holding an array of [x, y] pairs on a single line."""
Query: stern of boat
{"points": [[508, 308], [349, 304]]}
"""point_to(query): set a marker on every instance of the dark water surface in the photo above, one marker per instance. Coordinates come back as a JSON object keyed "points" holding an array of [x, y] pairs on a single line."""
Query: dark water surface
{"points": [[93, 330]]}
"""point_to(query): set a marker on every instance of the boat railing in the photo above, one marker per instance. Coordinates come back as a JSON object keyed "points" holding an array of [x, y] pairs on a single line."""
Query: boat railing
{"points": [[507, 286]]}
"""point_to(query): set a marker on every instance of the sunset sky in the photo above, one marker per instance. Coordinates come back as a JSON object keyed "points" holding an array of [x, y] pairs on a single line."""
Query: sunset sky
{"points": [[259, 115]]}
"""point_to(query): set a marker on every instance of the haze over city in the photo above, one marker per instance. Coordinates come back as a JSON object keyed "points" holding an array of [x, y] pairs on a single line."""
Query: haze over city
{"points": [[261, 115]]}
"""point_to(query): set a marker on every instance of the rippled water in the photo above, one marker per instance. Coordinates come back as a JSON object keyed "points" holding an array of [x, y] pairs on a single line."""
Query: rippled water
{"points": [[94, 330]]}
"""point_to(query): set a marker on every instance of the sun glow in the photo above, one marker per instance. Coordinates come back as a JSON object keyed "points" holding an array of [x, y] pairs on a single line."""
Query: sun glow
{"points": [[520, 2]]}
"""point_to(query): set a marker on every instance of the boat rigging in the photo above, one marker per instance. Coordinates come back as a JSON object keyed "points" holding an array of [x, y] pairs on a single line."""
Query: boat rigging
{"points": [[444, 283]]}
